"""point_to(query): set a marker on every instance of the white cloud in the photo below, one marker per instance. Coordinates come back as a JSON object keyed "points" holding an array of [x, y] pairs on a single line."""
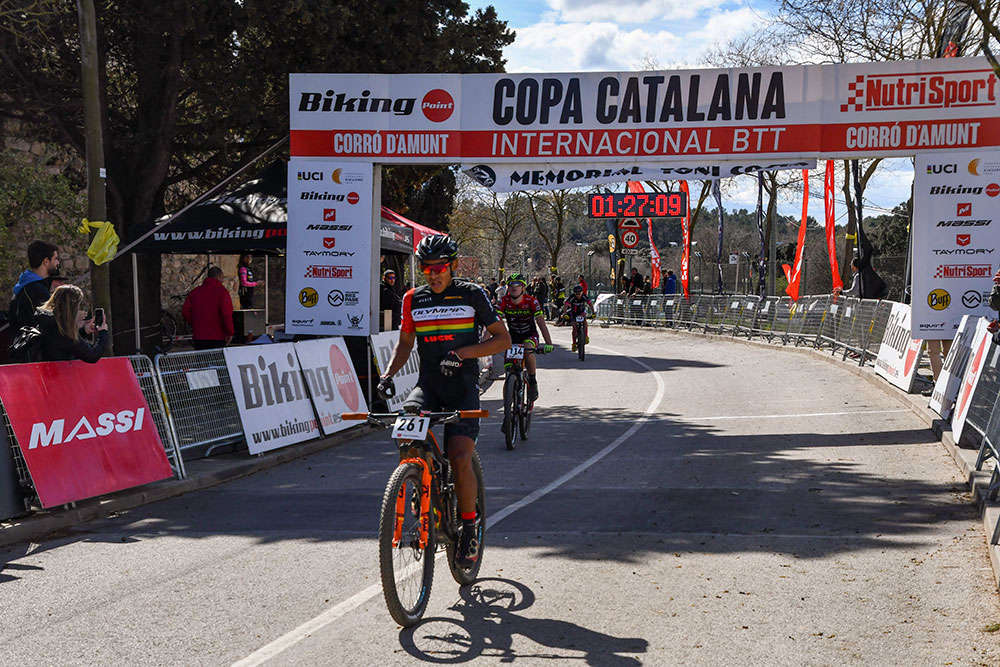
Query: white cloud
{"points": [[631, 11], [601, 45]]}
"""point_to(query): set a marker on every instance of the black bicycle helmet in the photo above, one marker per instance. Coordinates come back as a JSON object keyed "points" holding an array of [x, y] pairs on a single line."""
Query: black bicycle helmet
{"points": [[577, 289], [516, 278], [436, 248]]}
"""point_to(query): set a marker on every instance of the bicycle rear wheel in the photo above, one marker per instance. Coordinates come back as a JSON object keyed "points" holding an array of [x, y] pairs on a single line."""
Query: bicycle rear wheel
{"points": [[462, 576], [510, 410], [524, 413], [581, 342], [407, 570]]}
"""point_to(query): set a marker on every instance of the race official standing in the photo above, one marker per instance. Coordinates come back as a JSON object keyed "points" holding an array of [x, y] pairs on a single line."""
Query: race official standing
{"points": [[209, 311]]}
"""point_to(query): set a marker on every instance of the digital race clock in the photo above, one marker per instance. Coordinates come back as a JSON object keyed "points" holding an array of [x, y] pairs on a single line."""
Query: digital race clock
{"points": [[638, 205]]}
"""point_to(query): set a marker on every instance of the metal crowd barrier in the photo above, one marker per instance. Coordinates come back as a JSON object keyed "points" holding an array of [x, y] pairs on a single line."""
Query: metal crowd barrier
{"points": [[199, 400], [149, 382]]}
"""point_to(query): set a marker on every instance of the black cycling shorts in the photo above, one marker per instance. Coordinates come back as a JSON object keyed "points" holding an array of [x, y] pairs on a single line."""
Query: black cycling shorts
{"points": [[524, 338], [439, 394]]}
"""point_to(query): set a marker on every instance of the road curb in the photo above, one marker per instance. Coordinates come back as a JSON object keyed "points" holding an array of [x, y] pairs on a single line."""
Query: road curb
{"points": [[964, 459], [37, 527]]}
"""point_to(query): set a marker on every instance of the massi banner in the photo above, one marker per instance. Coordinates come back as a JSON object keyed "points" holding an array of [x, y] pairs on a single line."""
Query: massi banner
{"points": [[557, 176], [272, 399], [332, 382], [956, 239], [329, 267], [838, 110]]}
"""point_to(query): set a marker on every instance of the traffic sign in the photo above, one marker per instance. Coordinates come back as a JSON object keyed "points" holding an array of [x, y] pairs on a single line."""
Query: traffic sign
{"points": [[629, 223], [630, 251], [630, 238]]}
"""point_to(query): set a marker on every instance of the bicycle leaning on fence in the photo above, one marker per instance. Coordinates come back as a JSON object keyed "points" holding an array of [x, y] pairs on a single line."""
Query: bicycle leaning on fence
{"points": [[516, 406], [419, 512]]}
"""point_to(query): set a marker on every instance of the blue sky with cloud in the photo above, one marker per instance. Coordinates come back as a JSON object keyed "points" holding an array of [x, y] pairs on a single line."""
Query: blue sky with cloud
{"points": [[594, 35]]}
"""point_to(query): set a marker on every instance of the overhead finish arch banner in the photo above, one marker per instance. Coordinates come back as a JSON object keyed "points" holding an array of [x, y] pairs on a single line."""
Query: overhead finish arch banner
{"points": [[870, 109]]}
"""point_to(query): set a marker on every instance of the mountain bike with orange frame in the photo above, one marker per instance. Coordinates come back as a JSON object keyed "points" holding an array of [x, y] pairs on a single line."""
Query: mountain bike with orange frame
{"points": [[419, 513]]}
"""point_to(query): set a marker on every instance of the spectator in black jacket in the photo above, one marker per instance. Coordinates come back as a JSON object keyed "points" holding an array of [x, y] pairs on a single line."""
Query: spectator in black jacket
{"points": [[31, 289], [388, 297], [59, 320]]}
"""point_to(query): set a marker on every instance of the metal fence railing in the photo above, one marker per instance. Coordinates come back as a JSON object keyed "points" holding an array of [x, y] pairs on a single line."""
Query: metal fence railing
{"points": [[199, 400], [149, 382]]}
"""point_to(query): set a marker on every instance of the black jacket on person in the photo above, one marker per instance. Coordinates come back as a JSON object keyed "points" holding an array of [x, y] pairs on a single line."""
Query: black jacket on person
{"points": [[57, 347], [30, 296], [541, 292], [389, 300]]}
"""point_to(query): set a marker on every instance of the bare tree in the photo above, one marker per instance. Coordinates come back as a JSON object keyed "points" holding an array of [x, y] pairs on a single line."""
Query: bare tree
{"points": [[484, 218], [550, 212], [986, 14]]}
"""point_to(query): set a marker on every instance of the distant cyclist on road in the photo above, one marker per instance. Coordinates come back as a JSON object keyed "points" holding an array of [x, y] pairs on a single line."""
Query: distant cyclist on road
{"points": [[578, 304], [524, 318], [443, 317]]}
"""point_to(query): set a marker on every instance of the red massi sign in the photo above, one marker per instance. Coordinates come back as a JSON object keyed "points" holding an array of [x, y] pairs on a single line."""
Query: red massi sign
{"points": [[84, 429]]}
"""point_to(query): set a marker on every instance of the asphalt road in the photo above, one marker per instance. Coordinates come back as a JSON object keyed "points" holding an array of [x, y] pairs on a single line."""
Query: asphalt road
{"points": [[680, 500]]}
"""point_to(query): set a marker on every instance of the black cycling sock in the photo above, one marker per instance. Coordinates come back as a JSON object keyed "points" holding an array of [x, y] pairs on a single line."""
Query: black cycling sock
{"points": [[532, 380]]}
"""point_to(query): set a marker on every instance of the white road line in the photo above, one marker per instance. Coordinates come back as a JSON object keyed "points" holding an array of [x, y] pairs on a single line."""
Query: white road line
{"points": [[292, 637], [791, 416]]}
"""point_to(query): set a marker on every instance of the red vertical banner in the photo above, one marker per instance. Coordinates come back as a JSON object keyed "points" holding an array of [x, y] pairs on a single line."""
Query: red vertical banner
{"points": [[654, 254], [794, 274], [686, 239], [831, 236]]}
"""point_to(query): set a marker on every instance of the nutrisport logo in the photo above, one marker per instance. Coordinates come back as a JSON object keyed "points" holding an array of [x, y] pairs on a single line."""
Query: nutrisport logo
{"points": [[898, 92], [437, 105]]}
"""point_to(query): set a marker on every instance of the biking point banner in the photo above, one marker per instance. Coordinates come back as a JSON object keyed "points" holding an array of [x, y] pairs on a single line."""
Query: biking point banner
{"points": [[982, 341], [406, 379], [899, 353], [332, 382], [764, 113], [950, 378], [271, 395], [83, 429]]}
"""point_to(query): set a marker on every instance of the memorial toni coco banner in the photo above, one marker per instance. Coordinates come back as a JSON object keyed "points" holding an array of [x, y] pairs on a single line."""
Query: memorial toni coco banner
{"points": [[328, 273], [956, 239], [871, 109]]}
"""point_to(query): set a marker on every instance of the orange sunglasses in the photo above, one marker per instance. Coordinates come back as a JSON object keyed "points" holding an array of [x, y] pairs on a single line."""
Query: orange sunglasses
{"points": [[428, 269]]}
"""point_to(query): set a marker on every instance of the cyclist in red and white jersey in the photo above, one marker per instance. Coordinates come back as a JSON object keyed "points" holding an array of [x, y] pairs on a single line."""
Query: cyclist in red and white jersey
{"points": [[524, 317]]}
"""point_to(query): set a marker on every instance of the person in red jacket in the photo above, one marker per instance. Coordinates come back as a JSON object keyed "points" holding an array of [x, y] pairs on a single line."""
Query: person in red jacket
{"points": [[209, 311]]}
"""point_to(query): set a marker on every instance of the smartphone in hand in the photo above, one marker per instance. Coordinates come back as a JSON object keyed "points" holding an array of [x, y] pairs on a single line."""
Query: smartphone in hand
{"points": [[98, 317]]}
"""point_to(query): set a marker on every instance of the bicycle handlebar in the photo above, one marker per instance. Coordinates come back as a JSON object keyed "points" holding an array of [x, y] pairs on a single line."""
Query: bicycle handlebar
{"points": [[376, 418]]}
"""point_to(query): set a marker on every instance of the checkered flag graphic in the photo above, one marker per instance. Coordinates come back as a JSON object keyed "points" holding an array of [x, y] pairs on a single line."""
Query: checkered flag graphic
{"points": [[939, 273], [857, 95]]}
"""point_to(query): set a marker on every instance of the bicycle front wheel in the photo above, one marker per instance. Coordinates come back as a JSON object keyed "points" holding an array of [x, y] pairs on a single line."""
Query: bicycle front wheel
{"points": [[510, 410], [581, 342], [407, 570], [524, 414]]}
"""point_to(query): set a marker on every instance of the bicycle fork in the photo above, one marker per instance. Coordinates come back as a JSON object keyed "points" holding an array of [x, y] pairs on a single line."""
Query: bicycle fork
{"points": [[425, 505]]}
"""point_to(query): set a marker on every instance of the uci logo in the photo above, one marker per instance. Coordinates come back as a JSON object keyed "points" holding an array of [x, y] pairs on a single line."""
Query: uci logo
{"points": [[310, 175], [942, 168], [939, 299], [308, 297]]}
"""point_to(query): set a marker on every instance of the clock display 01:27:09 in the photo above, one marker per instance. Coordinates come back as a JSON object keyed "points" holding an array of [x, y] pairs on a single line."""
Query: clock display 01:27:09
{"points": [[638, 205]]}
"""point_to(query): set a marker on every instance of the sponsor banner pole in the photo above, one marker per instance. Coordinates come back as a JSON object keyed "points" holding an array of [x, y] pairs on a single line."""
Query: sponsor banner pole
{"points": [[761, 258], [795, 274], [717, 193], [829, 188], [686, 241]]}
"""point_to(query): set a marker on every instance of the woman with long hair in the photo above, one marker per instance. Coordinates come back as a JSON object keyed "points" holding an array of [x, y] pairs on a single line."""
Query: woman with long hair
{"points": [[247, 282], [59, 320]]}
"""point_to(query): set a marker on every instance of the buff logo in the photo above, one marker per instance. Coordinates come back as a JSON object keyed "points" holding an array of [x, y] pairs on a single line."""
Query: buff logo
{"points": [[893, 92], [652, 98], [332, 102]]}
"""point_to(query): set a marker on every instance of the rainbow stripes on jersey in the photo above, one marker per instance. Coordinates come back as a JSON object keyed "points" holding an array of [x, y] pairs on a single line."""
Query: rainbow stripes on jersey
{"points": [[444, 319]]}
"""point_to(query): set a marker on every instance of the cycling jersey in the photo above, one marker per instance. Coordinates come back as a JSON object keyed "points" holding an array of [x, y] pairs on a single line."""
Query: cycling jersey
{"points": [[446, 321], [578, 306], [521, 317]]}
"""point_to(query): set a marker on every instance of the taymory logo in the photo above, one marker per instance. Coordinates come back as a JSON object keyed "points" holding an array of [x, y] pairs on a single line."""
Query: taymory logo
{"points": [[963, 239], [437, 105], [331, 242]]}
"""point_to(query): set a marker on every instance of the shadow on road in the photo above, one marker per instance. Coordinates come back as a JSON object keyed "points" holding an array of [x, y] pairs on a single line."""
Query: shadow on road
{"points": [[487, 626]]}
